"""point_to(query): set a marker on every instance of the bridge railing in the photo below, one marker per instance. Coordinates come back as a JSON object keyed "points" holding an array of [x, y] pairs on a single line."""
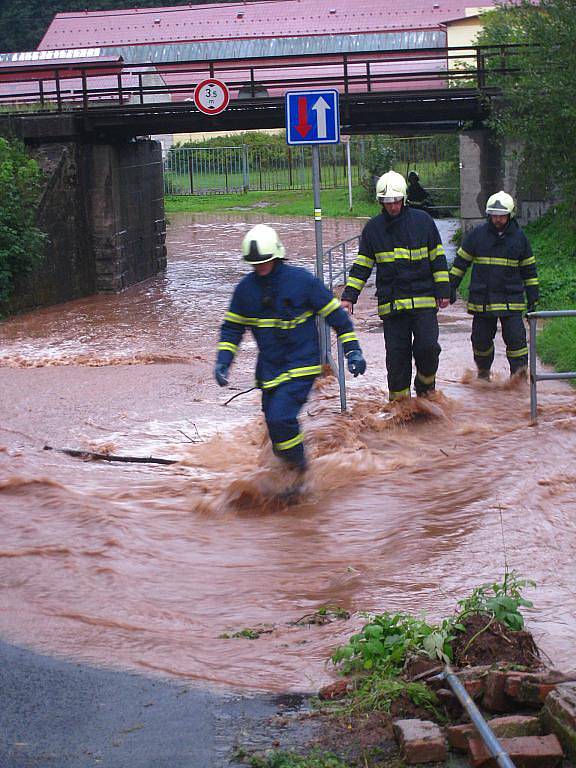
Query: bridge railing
{"points": [[535, 376], [337, 260], [62, 85]]}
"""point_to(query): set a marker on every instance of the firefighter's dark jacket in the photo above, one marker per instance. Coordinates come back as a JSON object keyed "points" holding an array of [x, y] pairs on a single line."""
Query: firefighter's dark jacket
{"points": [[504, 275], [280, 310], [411, 271]]}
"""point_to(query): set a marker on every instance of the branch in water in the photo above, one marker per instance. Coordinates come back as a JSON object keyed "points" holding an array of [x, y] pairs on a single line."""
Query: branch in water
{"points": [[110, 456]]}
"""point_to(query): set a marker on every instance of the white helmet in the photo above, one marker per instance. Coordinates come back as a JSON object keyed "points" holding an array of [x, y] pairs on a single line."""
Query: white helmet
{"points": [[261, 244], [391, 187], [500, 204]]}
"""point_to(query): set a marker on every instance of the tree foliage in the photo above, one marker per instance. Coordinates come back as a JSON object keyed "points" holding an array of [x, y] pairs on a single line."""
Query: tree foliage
{"points": [[538, 106], [20, 241]]}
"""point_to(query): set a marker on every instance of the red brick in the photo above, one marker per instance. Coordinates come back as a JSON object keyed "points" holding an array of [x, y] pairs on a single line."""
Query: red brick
{"points": [[421, 741], [503, 727], [562, 703], [524, 751], [474, 688], [495, 698], [531, 687]]}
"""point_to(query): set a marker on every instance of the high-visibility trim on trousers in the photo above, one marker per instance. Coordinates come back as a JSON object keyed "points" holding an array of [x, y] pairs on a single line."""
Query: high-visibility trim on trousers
{"points": [[281, 407], [285, 445], [400, 394], [484, 328], [408, 336]]}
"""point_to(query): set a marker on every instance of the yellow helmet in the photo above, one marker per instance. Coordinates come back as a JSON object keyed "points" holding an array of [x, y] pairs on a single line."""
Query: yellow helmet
{"points": [[391, 187], [500, 204], [261, 244]]}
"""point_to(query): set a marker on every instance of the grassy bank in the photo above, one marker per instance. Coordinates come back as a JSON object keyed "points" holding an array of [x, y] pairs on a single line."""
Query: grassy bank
{"points": [[553, 240], [285, 203]]}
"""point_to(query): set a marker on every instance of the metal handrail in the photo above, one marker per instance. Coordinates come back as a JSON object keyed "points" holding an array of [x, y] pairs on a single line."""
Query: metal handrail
{"points": [[535, 377], [332, 278], [78, 85]]}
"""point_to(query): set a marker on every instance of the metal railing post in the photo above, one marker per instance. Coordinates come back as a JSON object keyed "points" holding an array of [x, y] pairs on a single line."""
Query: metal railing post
{"points": [[58, 92], [84, 90], [534, 375], [532, 362]]}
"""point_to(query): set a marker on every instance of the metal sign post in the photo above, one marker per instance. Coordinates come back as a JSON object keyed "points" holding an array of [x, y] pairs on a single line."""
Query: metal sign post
{"points": [[323, 326], [313, 117]]}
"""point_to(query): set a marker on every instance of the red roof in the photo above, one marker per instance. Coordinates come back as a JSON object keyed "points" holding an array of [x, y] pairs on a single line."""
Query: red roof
{"points": [[248, 20]]}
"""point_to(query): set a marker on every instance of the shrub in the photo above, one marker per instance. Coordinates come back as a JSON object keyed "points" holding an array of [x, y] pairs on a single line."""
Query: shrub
{"points": [[20, 241]]}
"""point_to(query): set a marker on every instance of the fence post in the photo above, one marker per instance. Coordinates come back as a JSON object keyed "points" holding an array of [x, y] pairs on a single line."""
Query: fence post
{"points": [[349, 170], [532, 358], [246, 177], [191, 171], [290, 180]]}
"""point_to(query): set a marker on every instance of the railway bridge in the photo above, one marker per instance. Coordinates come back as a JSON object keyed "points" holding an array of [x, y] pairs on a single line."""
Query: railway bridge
{"points": [[91, 118]]}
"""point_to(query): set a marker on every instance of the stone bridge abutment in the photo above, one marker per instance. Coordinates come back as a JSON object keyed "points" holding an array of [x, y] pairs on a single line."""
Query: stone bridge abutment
{"points": [[102, 210]]}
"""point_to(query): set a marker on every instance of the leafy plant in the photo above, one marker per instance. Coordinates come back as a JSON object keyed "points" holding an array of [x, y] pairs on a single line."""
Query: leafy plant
{"points": [[379, 159], [534, 109], [502, 600], [20, 241], [386, 641]]}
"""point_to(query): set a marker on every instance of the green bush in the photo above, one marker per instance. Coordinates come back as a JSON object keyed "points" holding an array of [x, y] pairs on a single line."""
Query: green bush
{"points": [[20, 241]]}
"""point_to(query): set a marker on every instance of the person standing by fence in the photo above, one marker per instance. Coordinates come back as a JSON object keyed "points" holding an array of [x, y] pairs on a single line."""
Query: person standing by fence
{"points": [[504, 283], [412, 283]]}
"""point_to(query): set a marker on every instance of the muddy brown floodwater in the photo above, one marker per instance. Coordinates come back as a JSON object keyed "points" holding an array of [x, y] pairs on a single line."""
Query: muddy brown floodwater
{"points": [[146, 567]]}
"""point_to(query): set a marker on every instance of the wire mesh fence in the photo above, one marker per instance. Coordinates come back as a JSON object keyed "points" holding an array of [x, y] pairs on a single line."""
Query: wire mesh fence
{"points": [[209, 170]]}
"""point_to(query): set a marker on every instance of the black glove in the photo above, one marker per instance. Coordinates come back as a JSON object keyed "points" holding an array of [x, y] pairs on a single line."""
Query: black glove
{"points": [[531, 307], [356, 362], [221, 374], [453, 293]]}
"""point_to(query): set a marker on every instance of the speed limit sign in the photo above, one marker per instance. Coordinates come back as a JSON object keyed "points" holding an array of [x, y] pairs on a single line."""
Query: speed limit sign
{"points": [[211, 96]]}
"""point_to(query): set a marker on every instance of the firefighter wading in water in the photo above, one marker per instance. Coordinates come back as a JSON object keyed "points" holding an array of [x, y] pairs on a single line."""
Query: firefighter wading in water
{"points": [[503, 284], [411, 284], [279, 303]]}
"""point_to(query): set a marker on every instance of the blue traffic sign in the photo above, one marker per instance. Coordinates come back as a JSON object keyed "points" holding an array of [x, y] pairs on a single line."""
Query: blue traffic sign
{"points": [[312, 117]]}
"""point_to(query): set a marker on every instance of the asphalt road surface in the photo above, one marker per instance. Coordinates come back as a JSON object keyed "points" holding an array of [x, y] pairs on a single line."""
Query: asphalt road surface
{"points": [[57, 714]]}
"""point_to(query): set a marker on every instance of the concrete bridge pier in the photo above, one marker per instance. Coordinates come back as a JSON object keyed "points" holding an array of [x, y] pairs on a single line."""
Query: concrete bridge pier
{"points": [[127, 212], [102, 209], [481, 174], [489, 164]]}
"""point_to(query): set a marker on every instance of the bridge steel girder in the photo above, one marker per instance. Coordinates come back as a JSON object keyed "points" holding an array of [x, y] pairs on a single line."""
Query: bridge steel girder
{"points": [[368, 113]]}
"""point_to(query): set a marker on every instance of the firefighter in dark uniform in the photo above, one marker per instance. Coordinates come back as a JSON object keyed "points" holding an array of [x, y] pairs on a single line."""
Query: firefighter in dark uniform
{"points": [[279, 303], [411, 284], [503, 284], [417, 196]]}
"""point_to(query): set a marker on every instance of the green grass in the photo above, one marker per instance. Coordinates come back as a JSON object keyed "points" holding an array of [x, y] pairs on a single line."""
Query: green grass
{"points": [[553, 240], [281, 759], [334, 203]]}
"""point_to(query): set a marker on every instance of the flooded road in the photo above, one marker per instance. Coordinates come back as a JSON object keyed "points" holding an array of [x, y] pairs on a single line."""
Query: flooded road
{"points": [[154, 568]]}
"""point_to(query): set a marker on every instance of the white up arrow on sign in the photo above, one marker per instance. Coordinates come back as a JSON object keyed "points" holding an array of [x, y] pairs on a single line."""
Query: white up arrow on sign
{"points": [[321, 106]]}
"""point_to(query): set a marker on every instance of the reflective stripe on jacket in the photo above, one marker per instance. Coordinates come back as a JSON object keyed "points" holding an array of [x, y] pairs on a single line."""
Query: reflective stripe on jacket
{"points": [[504, 275], [280, 310], [411, 271]]}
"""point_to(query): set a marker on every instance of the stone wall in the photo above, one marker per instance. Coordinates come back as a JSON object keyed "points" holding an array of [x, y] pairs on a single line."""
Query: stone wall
{"points": [[102, 210], [127, 205], [488, 165]]}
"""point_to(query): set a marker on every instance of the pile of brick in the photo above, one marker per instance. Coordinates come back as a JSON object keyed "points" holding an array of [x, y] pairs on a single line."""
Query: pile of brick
{"points": [[533, 715]]}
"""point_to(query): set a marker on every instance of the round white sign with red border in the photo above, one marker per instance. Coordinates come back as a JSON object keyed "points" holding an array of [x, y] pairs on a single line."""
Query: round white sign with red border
{"points": [[211, 96]]}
